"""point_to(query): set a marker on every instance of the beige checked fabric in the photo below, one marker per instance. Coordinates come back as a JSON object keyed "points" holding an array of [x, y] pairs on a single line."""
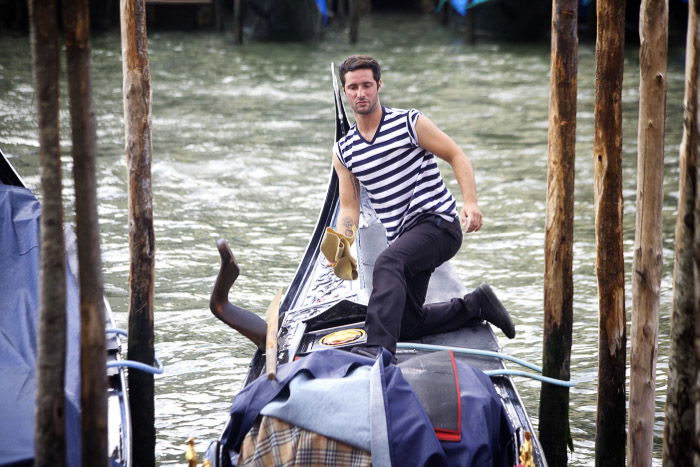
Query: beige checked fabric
{"points": [[272, 442]]}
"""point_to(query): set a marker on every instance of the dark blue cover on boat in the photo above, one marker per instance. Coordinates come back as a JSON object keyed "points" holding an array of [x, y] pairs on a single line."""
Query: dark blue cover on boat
{"points": [[19, 328], [411, 438]]}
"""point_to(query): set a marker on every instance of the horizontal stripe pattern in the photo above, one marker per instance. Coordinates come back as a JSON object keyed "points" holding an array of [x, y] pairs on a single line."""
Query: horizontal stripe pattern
{"points": [[402, 179]]}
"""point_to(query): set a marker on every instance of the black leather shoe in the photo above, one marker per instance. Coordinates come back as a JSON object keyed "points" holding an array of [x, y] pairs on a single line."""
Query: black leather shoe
{"points": [[493, 311]]}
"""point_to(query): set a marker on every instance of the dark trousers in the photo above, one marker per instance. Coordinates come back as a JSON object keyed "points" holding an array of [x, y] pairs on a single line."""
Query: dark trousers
{"points": [[402, 271]]}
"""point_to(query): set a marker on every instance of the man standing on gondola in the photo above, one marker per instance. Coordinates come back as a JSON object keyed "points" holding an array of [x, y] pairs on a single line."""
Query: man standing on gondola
{"points": [[391, 152]]}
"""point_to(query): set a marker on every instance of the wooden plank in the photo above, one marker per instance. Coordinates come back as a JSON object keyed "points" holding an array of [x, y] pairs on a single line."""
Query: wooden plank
{"points": [[272, 318]]}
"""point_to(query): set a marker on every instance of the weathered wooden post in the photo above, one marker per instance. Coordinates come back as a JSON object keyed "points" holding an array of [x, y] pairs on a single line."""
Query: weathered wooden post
{"points": [[559, 231], [696, 443], [354, 20], [679, 430], [610, 262], [445, 15], [137, 119], [339, 7], [218, 14], [50, 427], [470, 27], [93, 382], [696, 391], [646, 280], [238, 21]]}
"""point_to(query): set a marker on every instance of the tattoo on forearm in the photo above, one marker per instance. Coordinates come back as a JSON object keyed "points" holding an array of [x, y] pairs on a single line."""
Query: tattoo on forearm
{"points": [[347, 226]]}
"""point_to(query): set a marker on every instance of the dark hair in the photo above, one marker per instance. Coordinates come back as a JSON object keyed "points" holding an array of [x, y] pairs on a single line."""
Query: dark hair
{"points": [[359, 62]]}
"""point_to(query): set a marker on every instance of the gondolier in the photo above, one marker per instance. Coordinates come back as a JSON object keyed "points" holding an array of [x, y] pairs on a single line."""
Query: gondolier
{"points": [[434, 407], [391, 152]]}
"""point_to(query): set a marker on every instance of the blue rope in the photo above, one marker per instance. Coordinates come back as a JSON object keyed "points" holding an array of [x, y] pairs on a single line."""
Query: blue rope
{"points": [[478, 352], [154, 370], [488, 353], [544, 379], [118, 332]]}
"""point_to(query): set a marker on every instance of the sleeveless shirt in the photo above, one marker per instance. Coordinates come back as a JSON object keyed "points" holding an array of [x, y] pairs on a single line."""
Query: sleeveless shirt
{"points": [[402, 179]]}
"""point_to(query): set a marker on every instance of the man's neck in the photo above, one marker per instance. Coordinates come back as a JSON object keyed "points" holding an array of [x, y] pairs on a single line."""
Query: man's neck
{"points": [[367, 124]]}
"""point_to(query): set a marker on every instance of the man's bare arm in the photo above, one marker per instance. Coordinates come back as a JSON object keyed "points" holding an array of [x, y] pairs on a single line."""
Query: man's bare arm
{"points": [[349, 187], [431, 138]]}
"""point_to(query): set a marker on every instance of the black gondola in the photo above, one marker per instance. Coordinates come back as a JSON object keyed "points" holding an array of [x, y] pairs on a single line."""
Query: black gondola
{"points": [[318, 304]]}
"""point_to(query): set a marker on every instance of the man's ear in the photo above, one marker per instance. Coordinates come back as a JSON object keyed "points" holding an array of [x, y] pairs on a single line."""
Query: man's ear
{"points": [[379, 84]]}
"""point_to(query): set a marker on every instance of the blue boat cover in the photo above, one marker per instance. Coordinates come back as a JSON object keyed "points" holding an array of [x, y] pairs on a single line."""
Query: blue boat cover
{"points": [[399, 433], [323, 9], [19, 328], [460, 6]]}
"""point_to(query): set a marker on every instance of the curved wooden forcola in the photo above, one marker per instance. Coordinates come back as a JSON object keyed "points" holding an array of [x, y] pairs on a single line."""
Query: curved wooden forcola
{"points": [[244, 321]]}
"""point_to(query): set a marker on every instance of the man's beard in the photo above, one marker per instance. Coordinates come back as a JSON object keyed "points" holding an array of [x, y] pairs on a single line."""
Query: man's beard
{"points": [[366, 110]]}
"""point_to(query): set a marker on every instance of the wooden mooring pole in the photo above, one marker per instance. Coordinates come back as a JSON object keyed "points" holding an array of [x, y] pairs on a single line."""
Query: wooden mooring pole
{"points": [[470, 27], [137, 119], [679, 430], [93, 382], [354, 7], [559, 231], [238, 6], [50, 426], [647, 263], [610, 263]]}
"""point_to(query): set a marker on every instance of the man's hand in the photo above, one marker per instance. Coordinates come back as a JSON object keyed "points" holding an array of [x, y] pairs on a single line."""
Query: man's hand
{"points": [[470, 218]]}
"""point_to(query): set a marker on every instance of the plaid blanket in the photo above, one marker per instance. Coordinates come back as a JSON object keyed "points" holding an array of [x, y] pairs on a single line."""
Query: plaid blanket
{"points": [[274, 442]]}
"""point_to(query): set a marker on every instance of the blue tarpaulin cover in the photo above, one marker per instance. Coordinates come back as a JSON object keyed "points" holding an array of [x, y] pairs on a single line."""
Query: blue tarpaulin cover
{"points": [[460, 6], [19, 328], [321, 4], [400, 432]]}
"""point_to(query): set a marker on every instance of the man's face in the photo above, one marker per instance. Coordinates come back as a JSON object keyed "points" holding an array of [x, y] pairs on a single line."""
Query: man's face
{"points": [[362, 91]]}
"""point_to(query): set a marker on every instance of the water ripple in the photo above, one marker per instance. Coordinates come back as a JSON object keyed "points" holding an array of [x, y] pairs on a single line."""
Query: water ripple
{"points": [[242, 149]]}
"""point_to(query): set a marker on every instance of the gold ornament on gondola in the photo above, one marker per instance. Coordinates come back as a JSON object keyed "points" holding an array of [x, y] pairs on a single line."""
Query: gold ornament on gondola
{"points": [[191, 455], [344, 336], [525, 458]]}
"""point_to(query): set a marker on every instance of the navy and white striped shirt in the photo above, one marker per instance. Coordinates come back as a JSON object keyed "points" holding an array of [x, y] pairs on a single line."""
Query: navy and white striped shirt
{"points": [[402, 179]]}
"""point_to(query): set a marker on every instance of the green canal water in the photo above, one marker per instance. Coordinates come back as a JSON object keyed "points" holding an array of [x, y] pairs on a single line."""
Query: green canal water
{"points": [[241, 150]]}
